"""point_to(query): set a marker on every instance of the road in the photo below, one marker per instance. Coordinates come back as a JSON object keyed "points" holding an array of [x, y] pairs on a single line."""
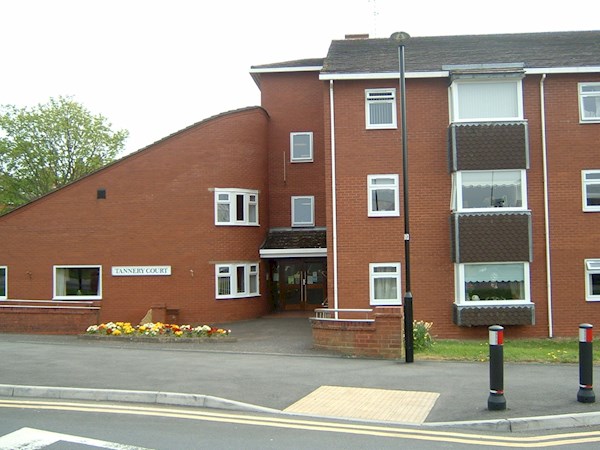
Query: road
{"points": [[59, 425]]}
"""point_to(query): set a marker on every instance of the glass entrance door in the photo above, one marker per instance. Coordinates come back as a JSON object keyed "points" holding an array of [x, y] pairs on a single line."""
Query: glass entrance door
{"points": [[302, 284]]}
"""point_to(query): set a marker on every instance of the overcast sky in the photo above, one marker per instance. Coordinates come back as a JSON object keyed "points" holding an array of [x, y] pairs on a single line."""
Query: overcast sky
{"points": [[156, 66]]}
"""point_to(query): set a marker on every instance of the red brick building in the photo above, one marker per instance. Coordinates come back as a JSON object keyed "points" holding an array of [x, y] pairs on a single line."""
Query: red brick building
{"points": [[301, 200]]}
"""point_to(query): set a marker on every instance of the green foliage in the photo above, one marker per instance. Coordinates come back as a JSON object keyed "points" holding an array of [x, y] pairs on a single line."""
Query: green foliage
{"points": [[48, 146], [421, 337]]}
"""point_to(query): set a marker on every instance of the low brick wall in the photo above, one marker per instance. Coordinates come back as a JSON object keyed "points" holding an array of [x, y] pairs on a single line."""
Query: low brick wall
{"points": [[46, 317], [380, 338]]}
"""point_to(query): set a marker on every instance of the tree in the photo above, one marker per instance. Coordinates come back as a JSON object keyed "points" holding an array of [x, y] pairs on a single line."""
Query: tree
{"points": [[48, 146]]}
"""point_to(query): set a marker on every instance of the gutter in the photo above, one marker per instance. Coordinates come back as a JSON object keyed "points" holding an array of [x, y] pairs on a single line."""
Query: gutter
{"points": [[333, 201]]}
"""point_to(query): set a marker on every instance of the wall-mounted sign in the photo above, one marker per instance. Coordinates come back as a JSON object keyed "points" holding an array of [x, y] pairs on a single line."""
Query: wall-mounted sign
{"points": [[140, 271]]}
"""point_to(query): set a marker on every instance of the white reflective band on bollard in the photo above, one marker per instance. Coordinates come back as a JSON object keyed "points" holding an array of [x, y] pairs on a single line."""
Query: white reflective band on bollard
{"points": [[586, 334]]}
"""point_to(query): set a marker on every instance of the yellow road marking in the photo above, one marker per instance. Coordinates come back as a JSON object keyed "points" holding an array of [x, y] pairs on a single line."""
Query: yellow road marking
{"points": [[278, 422]]}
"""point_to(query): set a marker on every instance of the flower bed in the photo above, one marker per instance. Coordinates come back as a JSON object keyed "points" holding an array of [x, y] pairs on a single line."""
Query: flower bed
{"points": [[157, 331]]}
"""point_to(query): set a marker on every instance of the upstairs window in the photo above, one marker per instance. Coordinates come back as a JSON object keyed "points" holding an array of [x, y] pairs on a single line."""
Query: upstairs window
{"points": [[236, 207], [589, 102], [592, 279], [236, 280], [479, 101], [383, 195], [303, 211], [380, 107], [3, 282], [301, 147], [590, 183], [77, 282], [489, 189]]}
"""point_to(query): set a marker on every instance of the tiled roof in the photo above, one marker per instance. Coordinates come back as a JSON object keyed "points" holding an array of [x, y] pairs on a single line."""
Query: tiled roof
{"points": [[311, 62], [430, 54], [295, 239]]}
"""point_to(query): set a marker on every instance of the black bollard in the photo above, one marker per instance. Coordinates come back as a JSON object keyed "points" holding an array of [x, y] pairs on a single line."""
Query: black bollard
{"points": [[496, 400], [586, 364]]}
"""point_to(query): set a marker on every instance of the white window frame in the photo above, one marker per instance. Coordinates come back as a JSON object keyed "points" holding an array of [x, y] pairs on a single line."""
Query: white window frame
{"points": [[376, 95], [250, 202], [592, 267], [582, 95], [297, 223], [457, 193], [585, 182], [251, 271], [371, 187], [5, 296], [454, 96], [57, 296], [301, 159], [395, 275], [459, 273]]}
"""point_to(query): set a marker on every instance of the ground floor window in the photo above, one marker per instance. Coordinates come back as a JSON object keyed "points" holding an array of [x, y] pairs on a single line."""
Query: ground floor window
{"points": [[384, 283], [3, 278], [592, 279], [237, 280], [77, 282], [492, 283]]}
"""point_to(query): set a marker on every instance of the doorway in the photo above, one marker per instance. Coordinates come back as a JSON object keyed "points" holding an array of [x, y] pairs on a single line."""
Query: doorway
{"points": [[299, 284]]}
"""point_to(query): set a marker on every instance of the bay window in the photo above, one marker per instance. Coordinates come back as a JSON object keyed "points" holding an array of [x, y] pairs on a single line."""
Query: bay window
{"points": [[486, 100], [488, 189]]}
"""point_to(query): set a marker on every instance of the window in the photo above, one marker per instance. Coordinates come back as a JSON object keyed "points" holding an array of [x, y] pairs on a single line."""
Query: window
{"points": [[301, 147], [237, 280], [77, 282], [236, 207], [303, 211], [590, 182], [592, 279], [3, 283], [383, 195], [384, 283], [488, 189], [589, 102], [380, 107], [474, 101], [492, 283]]}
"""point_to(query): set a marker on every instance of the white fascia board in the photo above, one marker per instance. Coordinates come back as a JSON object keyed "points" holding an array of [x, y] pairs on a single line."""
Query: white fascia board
{"points": [[293, 253], [287, 69], [551, 70], [382, 76], [445, 73]]}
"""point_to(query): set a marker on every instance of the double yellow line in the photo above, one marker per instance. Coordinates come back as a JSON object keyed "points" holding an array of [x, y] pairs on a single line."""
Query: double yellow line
{"points": [[421, 434]]}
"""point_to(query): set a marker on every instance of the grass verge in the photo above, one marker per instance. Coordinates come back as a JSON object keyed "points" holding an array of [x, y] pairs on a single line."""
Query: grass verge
{"points": [[517, 350]]}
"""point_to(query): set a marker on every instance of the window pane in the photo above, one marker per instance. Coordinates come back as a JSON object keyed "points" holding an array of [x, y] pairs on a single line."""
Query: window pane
{"points": [[491, 189], [593, 194], [384, 181], [595, 283], [380, 113], [303, 210], [223, 214], [239, 207], [301, 146], [590, 88], [2, 282], [385, 269], [241, 279], [253, 283], [77, 281], [224, 285], [494, 282], [487, 100], [252, 213], [383, 200], [592, 176], [591, 106], [385, 288]]}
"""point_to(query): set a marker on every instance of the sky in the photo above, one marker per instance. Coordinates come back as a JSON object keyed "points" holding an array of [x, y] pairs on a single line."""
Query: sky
{"points": [[153, 67]]}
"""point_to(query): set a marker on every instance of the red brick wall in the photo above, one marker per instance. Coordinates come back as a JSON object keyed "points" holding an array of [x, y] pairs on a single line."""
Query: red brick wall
{"points": [[159, 210], [46, 318], [574, 234], [382, 338], [361, 240], [294, 103]]}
